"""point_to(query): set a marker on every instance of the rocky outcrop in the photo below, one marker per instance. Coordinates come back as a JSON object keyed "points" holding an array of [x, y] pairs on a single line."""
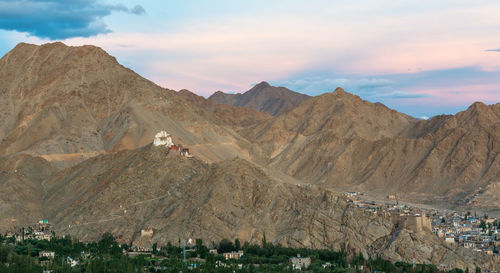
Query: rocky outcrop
{"points": [[180, 198]]}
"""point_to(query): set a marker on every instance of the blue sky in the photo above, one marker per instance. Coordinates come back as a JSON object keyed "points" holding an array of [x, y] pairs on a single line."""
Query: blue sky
{"points": [[422, 58]]}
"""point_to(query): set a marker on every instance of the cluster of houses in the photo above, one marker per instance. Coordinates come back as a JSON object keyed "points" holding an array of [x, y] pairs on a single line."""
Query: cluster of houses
{"points": [[479, 233], [297, 263], [402, 216], [40, 231]]}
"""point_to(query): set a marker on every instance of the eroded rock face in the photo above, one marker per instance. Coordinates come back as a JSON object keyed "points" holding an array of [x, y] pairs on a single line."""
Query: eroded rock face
{"points": [[182, 198], [432, 250], [338, 140]]}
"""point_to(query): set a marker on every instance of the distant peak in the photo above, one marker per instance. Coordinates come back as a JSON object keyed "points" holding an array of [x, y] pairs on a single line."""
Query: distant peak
{"points": [[477, 107], [478, 104], [340, 93], [217, 94], [54, 44], [57, 46], [339, 90], [23, 46], [184, 91], [263, 84]]}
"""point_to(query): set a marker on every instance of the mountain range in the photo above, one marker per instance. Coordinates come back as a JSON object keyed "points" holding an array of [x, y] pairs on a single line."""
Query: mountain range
{"points": [[75, 146], [339, 140]]}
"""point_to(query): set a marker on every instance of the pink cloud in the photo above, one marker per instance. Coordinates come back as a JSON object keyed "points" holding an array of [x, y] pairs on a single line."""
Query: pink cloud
{"points": [[233, 52], [459, 95]]}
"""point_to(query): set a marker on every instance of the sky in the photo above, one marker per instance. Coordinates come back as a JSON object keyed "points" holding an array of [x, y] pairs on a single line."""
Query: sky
{"points": [[422, 58]]}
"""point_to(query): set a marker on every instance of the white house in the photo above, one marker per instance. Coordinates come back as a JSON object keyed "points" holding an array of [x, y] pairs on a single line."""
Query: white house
{"points": [[48, 254], [298, 262]]}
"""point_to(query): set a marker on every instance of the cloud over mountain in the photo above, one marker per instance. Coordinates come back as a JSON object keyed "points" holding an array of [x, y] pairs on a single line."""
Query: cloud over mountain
{"points": [[366, 87], [57, 19]]}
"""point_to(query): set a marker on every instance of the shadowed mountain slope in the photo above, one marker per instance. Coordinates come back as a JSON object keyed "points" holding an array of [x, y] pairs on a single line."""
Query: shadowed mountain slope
{"points": [[339, 140], [181, 198], [263, 97]]}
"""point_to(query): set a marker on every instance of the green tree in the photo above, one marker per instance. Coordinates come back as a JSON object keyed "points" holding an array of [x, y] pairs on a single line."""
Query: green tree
{"points": [[482, 225], [237, 244], [225, 246], [155, 250], [201, 249], [246, 246]]}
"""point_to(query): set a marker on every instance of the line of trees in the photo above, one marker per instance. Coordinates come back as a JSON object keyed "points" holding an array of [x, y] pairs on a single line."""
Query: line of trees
{"points": [[106, 255]]}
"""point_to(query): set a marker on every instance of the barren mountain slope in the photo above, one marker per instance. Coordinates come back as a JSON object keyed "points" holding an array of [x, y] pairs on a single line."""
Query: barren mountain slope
{"points": [[339, 140], [225, 114], [183, 198], [263, 97], [71, 103], [338, 115], [21, 190]]}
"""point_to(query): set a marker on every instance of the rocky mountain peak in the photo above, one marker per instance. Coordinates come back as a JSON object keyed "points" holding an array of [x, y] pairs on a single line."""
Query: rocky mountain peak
{"points": [[340, 93], [479, 114], [339, 90], [477, 107], [218, 93], [263, 97], [262, 84], [55, 47]]}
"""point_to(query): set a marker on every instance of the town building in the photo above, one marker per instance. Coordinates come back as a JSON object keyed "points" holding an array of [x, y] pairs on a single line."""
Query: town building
{"points": [[299, 263], [72, 262], [48, 254], [233, 255], [185, 152], [147, 233], [415, 223]]}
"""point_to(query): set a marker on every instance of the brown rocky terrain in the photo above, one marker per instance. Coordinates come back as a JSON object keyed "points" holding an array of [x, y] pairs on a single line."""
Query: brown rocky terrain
{"points": [[21, 190], [71, 103], [181, 198], [341, 141], [262, 97], [77, 109]]}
